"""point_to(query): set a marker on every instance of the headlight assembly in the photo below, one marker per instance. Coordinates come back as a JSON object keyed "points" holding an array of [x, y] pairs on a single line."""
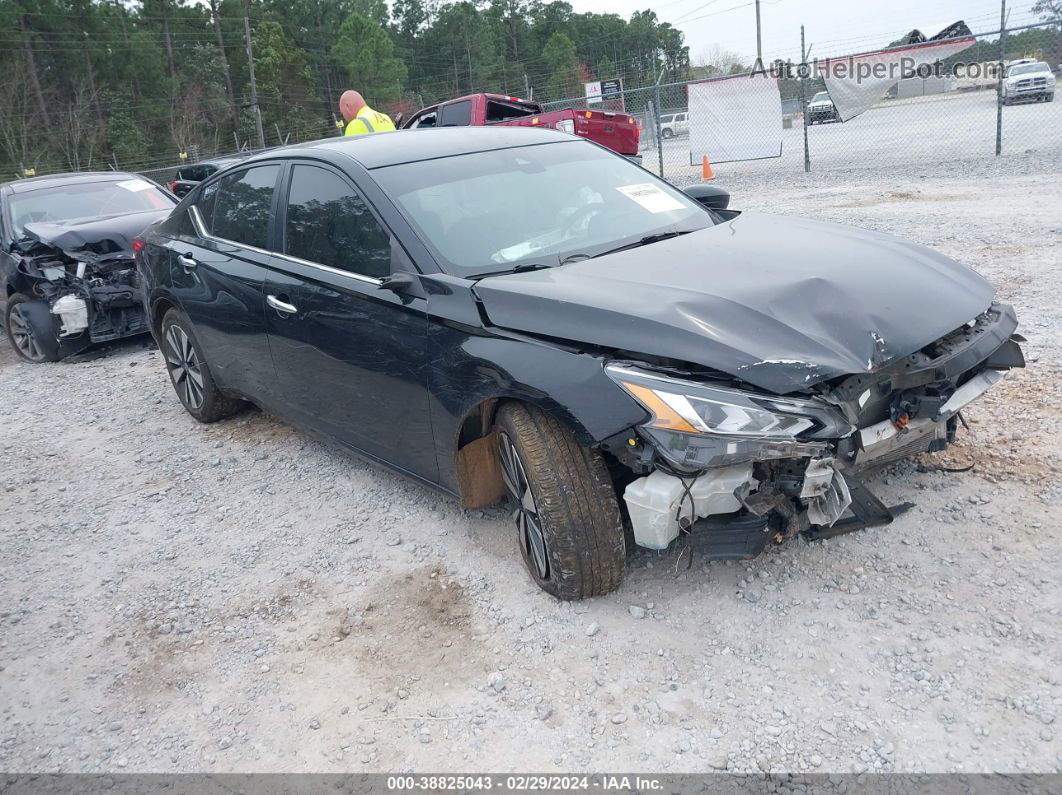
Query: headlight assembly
{"points": [[699, 424]]}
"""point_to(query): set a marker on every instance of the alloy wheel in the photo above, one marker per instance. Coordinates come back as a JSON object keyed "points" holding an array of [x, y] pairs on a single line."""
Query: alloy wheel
{"points": [[23, 337], [528, 522], [184, 367]]}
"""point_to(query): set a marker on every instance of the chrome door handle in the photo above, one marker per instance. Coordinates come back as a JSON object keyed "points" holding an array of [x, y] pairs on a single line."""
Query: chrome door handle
{"points": [[281, 306], [186, 262]]}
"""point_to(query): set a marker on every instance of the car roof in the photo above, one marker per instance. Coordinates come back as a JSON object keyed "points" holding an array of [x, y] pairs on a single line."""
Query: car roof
{"points": [[410, 146], [56, 180]]}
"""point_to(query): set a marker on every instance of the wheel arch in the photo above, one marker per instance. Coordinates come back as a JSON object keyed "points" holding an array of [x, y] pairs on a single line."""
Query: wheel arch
{"points": [[473, 448], [160, 305]]}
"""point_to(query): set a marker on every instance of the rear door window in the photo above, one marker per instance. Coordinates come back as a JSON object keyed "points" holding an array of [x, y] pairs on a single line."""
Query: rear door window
{"points": [[456, 114], [193, 173], [501, 111], [241, 205], [328, 223]]}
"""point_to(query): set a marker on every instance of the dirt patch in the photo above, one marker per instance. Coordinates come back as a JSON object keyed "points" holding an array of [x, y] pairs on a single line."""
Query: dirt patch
{"points": [[418, 623], [900, 196]]}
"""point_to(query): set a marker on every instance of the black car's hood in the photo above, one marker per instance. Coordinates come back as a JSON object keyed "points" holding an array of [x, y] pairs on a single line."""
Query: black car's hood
{"points": [[781, 303], [101, 236]]}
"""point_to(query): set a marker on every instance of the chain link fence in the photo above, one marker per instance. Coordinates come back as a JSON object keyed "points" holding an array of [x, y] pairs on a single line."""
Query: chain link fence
{"points": [[949, 116]]}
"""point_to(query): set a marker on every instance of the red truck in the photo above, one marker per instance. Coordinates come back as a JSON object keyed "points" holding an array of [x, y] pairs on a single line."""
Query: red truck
{"points": [[617, 131]]}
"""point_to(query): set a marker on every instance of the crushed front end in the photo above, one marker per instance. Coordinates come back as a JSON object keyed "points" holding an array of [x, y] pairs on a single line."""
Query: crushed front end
{"points": [[92, 292], [731, 467]]}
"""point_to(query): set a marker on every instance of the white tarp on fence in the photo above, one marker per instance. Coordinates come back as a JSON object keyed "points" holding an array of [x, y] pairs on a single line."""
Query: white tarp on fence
{"points": [[735, 118], [858, 81]]}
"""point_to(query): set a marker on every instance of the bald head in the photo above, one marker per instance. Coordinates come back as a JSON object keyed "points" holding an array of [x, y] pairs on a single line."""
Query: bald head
{"points": [[350, 103]]}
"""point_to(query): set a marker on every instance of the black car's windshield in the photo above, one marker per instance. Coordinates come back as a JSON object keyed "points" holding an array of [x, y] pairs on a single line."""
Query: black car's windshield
{"points": [[85, 200], [488, 212]]}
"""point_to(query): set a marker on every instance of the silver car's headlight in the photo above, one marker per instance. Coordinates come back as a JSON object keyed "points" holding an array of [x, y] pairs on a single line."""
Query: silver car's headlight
{"points": [[688, 407]]}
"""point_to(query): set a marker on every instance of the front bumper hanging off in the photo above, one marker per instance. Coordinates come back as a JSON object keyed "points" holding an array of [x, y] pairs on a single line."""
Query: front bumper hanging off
{"points": [[814, 486]]}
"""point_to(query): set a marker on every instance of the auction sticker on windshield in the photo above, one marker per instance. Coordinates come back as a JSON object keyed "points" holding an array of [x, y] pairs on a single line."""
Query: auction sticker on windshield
{"points": [[134, 185], [651, 197]]}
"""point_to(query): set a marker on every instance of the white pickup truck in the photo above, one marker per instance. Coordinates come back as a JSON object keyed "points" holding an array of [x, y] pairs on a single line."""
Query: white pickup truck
{"points": [[1032, 80]]}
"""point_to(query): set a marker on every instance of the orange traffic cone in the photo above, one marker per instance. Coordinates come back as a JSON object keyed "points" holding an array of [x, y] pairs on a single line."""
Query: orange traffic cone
{"points": [[706, 169]]}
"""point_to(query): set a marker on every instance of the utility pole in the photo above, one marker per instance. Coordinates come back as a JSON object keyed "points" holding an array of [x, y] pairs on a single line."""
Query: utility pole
{"points": [[759, 43], [1002, 69], [803, 99], [215, 18], [656, 124], [254, 86]]}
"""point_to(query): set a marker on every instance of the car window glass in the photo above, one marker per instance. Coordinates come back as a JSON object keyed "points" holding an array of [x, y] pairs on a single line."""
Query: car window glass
{"points": [[328, 223], [456, 114], [78, 200], [243, 204], [536, 204], [427, 120], [500, 111], [179, 224], [193, 173]]}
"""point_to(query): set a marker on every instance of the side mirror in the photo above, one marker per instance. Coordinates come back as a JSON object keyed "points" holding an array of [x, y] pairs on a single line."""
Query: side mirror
{"points": [[398, 282], [711, 196]]}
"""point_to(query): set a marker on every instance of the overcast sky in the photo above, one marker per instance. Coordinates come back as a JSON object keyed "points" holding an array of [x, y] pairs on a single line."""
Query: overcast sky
{"points": [[832, 27]]}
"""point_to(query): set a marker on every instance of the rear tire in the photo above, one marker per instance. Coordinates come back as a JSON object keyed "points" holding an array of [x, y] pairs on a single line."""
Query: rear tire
{"points": [[23, 334], [569, 527], [667, 133], [189, 372]]}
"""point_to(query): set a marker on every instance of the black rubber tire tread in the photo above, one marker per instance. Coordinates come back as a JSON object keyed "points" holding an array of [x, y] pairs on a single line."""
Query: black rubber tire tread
{"points": [[12, 301], [216, 404], [576, 504]]}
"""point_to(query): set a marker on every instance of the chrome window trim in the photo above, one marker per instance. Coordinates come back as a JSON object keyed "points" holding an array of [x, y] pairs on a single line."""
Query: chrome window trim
{"points": [[328, 269], [197, 220]]}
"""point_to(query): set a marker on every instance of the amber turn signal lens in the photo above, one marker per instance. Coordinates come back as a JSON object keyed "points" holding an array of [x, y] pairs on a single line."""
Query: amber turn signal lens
{"points": [[665, 417]]}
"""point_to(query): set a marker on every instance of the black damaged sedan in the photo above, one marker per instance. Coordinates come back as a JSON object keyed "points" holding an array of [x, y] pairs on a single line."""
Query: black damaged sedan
{"points": [[514, 314]]}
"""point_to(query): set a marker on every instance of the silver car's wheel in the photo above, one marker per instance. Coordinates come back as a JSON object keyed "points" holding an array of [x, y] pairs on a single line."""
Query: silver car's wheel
{"points": [[23, 338], [24, 333], [528, 524], [185, 370]]}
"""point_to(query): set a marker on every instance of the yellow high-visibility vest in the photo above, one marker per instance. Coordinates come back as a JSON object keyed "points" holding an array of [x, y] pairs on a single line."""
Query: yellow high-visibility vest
{"points": [[369, 121]]}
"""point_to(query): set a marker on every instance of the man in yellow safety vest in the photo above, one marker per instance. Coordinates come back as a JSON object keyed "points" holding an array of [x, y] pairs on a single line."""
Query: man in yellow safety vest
{"points": [[360, 118]]}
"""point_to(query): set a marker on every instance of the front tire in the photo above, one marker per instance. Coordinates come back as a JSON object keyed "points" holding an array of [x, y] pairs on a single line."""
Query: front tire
{"points": [[190, 374], [569, 527]]}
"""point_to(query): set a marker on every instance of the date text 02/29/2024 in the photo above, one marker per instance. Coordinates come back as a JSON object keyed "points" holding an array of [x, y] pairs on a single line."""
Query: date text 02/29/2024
{"points": [[523, 783]]}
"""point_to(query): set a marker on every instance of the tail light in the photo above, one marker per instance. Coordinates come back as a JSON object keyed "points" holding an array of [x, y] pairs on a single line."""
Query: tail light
{"points": [[173, 187], [138, 245]]}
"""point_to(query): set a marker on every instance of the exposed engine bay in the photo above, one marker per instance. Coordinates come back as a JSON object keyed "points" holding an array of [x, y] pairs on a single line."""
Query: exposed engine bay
{"points": [[732, 467], [89, 284]]}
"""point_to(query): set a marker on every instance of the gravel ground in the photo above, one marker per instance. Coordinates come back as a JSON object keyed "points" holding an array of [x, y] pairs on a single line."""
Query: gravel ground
{"points": [[238, 597]]}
